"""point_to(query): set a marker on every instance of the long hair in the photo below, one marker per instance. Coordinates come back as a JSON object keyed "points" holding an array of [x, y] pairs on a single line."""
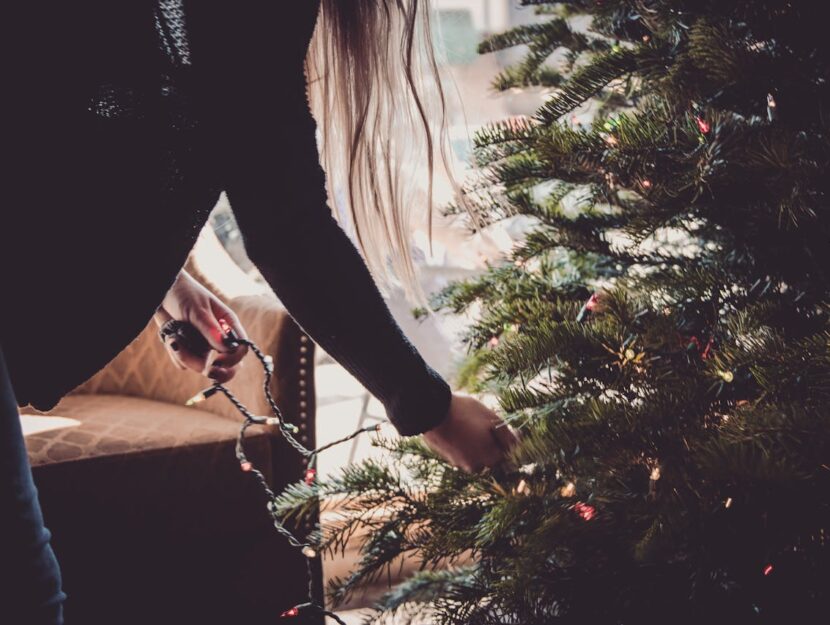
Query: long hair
{"points": [[374, 87]]}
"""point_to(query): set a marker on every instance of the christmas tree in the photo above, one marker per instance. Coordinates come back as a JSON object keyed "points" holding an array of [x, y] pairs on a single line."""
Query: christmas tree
{"points": [[660, 339]]}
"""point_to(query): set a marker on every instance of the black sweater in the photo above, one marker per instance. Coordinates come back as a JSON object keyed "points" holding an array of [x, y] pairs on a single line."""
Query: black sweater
{"points": [[123, 124]]}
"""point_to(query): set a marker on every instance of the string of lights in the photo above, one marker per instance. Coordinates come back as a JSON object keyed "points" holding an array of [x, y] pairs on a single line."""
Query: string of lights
{"points": [[287, 430]]}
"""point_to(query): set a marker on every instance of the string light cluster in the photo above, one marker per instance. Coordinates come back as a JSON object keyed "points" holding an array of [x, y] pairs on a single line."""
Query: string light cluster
{"points": [[287, 430]]}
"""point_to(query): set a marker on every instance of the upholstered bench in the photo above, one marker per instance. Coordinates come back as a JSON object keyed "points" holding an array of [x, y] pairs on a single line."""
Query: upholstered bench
{"points": [[152, 519]]}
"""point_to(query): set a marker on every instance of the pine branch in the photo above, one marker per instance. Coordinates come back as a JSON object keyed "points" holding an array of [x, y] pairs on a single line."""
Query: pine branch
{"points": [[587, 82]]}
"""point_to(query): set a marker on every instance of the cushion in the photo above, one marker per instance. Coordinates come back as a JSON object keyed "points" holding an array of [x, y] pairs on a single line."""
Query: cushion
{"points": [[88, 426]]}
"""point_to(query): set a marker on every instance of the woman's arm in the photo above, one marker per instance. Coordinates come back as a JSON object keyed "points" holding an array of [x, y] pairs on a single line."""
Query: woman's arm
{"points": [[248, 63], [276, 188], [250, 85]]}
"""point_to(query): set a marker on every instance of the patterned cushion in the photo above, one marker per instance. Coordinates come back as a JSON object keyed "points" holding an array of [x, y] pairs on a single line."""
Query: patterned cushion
{"points": [[113, 425]]}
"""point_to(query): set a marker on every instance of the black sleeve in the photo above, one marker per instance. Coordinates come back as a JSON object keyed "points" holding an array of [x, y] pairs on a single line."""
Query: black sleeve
{"points": [[276, 187]]}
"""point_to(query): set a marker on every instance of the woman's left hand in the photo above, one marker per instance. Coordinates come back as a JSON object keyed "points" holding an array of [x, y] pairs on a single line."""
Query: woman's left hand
{"points": [[187, 300]]}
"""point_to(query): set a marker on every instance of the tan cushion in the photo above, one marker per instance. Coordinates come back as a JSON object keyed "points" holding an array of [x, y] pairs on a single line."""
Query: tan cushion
{"points": [[90, 426]]}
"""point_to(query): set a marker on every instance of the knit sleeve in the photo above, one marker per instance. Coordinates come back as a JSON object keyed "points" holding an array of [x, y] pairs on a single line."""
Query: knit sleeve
{"points": [[276, 188]]}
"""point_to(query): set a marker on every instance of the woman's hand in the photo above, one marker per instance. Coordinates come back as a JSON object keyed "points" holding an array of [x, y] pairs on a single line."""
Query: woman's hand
{"points": [[187, 300], [472, 436]]}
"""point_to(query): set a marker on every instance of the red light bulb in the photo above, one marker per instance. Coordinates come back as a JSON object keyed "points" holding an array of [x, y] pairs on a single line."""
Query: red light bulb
{"points": [[767, 570], [703, 125], [246, 466], [585, 511], [309, 476], [290, 613]]}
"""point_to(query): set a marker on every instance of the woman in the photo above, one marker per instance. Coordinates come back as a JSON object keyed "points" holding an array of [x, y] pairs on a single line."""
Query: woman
{"points": [[125, 122]]}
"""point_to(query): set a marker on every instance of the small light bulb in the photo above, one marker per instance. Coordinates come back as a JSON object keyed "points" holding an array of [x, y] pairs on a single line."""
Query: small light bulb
{"points": [[272, 421], [199, 397], [727, 376], [584, 510], [309, 476], [630, 354], [655, 474], [308, 552], [528, 469], [246, 466], [768, 569], [290, 613], [522, 488], [568, 490], [202, 396], [728, 502]]}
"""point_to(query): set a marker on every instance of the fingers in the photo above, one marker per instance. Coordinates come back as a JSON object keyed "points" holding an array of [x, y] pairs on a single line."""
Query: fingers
{"points": [[472, 436], [231, 359], [221, 362], [182, 357], [220, 311], [207, 323], [211, 318], [504, 436], [491, 455]]}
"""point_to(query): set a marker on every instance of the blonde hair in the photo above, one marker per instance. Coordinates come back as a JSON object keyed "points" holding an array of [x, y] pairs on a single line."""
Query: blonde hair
{"points": [[375, 90]]}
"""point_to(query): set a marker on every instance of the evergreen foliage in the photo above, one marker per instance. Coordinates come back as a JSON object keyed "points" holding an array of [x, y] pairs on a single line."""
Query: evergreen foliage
{"points": [[675, 456]]}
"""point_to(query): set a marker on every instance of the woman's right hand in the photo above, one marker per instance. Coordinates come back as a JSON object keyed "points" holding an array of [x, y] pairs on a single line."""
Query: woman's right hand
{"points": [[471, 436], [187, 300]]}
